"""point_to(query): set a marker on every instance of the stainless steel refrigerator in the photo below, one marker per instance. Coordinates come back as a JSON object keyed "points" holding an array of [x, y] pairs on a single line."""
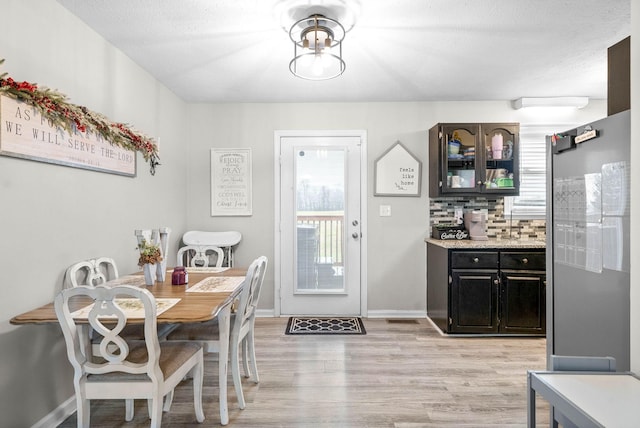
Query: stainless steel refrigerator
{"points": [[588, 199]]}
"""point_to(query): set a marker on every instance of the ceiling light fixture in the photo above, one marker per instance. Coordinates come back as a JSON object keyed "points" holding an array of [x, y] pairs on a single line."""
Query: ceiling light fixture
{"points": [[575, 102], [317, 48]]}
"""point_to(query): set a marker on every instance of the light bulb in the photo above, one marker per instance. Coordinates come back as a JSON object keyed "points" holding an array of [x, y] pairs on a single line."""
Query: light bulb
{"points": [[318, 66]]}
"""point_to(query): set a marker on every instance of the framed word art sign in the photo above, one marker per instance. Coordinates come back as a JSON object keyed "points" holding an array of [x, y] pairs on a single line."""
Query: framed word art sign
{"points": [[230, 182], [25, 134], [397, 173]]}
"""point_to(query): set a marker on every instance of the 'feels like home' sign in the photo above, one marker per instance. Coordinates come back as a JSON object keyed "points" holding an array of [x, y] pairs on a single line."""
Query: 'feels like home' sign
{"points": [[24, 133]]}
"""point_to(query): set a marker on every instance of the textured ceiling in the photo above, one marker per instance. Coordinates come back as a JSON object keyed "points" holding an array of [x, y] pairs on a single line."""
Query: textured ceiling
{"points": [[400, 50]]}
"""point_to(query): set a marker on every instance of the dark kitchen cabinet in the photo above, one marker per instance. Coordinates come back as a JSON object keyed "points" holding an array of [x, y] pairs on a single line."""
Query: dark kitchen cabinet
{"points": [[462, 159], [474, 301], [495, 291], [522, 292]]}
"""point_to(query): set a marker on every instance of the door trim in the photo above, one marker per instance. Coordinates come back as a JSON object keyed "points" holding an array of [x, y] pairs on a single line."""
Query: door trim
{"points": [[277, 136]]}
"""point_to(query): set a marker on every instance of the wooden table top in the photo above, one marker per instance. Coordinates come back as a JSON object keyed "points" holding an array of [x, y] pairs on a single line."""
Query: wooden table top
{"points": [[192, 307]]}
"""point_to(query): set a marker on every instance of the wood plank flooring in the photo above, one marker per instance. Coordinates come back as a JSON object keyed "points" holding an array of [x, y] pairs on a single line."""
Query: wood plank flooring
{"points": [[400, 374]]}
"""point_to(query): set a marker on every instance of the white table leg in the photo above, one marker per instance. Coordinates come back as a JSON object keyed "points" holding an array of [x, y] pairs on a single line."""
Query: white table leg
{"points": [[224, 324]]}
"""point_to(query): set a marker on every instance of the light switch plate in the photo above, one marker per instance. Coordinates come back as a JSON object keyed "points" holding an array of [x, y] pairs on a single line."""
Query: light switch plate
{"points": [[385, 210]]}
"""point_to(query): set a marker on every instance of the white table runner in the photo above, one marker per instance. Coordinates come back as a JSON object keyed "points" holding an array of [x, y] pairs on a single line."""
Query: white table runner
{"points": [[206, 269], [132, 307], [217, 284], [135, 280]]}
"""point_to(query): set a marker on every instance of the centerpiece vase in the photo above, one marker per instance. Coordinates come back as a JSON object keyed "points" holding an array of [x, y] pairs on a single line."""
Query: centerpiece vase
{"points": [[163, 241], [149, 273], [161, 270]]}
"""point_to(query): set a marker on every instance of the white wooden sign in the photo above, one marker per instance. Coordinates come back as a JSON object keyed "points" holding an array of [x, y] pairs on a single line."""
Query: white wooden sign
{"points": [[397, 173], [24, 133], [230, 182]]}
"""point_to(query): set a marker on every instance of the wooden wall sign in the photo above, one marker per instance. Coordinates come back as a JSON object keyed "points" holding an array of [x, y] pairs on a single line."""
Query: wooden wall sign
{"points": [[230, 182], [25, 134], [397, 173]]}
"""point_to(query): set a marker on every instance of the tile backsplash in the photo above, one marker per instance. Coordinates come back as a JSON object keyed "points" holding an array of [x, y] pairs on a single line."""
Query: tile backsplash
{"points": [[441, 210]]}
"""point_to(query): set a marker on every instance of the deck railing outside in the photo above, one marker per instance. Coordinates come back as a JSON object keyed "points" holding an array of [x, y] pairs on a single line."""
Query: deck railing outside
{"points": [[330, 232]]}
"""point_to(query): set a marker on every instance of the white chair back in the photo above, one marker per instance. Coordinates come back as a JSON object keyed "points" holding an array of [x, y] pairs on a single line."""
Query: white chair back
{"points": [[200, 256], [225, 240], [113, 348], [91, 272], [248, 301]]}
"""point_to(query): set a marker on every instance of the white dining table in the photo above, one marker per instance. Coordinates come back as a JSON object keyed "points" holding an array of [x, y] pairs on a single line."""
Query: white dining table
{"points": [[213, 300], [588, 399]]}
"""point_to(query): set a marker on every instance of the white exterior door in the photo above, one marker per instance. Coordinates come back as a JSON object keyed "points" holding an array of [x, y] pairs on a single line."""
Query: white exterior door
{"points": [[319, 226]]}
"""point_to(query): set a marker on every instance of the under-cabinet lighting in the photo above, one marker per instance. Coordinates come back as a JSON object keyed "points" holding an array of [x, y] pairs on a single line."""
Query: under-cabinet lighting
{"points": [[575, 102]]}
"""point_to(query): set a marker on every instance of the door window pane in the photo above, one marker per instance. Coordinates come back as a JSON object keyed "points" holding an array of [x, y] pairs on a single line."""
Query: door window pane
{"points": [[320, 213]]}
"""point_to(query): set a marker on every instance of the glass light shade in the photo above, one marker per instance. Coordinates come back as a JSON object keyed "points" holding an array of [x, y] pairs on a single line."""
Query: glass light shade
{"points": [[317, 48]]}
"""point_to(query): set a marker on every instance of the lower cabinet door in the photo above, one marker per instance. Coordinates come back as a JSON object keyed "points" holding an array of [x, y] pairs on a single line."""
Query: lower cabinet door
{"points": [[523, 303], [474, 301]]}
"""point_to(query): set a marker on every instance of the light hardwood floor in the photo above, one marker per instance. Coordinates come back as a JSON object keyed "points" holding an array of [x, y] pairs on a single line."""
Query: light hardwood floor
{"points": [[400, 374]]}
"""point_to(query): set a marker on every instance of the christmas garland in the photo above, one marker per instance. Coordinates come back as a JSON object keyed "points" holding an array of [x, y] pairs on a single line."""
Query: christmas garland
{"points": [[55, 107]]}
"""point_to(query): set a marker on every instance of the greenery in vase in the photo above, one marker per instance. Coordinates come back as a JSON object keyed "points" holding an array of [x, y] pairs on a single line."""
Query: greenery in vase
{"points": [[149, 253]]}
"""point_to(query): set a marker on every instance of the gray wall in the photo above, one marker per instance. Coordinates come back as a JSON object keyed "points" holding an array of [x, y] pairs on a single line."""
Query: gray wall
{"points": [[52, 216], [396, 251]]}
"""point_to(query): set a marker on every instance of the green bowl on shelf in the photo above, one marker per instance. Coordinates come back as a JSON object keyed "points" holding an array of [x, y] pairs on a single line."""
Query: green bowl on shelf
{"points": [[504, 182]]}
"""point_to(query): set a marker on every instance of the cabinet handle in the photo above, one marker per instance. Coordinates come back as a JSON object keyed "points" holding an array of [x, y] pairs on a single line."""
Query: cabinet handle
{"points": [[525, 260], [496, 282], [476, 260]]}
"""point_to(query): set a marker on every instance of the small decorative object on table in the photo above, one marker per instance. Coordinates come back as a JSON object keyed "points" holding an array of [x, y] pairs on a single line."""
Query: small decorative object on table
{"points": [[180, 276], [150, 255]]}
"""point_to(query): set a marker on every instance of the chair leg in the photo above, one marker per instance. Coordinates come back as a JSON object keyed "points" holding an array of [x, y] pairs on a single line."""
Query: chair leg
{"points": [[252, 356], [83, 412], [245, 359], [128, 409], [198, 377], [168, 399], [155, 411], [235, 371]]}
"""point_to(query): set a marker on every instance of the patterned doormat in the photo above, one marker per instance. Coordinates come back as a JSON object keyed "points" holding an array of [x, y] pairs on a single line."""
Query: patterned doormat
{"points": [[313, 325]]}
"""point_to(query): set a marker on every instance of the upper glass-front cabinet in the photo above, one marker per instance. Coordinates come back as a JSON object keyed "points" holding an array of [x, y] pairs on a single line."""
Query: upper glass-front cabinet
{"points": [[474, 158]]}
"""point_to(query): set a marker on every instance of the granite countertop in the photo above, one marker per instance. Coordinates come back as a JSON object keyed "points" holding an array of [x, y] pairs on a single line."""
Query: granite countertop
{"points": [[491, 243]]}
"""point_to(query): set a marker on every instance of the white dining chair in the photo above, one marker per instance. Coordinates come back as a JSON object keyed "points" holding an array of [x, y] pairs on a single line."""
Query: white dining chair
{"points": [[149, 369], [99, 271], [225, 240], [242, 337], [200, 256], [90, 272]]}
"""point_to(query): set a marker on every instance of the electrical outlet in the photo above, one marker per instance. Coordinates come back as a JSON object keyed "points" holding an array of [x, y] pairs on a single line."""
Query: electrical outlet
{"points": [[385, 210]]}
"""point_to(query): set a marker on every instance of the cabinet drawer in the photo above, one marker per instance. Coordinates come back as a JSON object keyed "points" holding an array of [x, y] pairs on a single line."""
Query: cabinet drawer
{"points": [[522, 260], [474, 260]]}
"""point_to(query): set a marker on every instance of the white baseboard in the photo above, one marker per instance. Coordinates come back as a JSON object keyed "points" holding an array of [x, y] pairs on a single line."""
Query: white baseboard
{"points": [[393, 314], [58, 415], [265, 313], [270, 313]]}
